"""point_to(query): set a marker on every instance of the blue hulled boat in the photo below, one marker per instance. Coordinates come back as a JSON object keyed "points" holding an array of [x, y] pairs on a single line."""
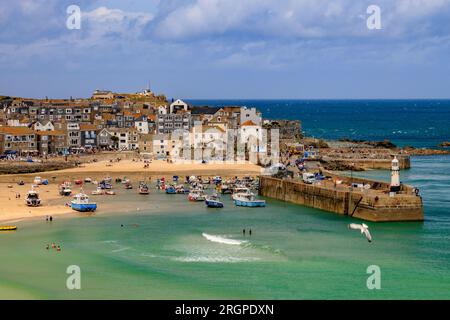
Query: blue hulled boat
{"points": [[247, 200], [81, 203], [213, 202], [171, 190]]}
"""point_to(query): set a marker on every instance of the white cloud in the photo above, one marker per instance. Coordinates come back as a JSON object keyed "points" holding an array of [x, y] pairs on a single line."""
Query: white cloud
{"points": [[286, 18]]}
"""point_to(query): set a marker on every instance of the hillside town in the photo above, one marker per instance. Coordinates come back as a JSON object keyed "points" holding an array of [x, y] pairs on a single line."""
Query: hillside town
{"points": [[143, 122]]}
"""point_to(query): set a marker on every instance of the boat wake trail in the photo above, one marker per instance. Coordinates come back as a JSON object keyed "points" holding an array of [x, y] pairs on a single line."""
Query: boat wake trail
{"points": [[223, 240]]}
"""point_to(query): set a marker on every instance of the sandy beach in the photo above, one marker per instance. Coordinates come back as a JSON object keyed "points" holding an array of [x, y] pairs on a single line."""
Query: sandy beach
{"points": [[13, 208]]}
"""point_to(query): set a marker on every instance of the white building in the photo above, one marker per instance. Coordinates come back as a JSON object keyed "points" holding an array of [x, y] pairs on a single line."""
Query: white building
{"points": [[250, 114], [178, 105], [40, 126], [141, 125]]}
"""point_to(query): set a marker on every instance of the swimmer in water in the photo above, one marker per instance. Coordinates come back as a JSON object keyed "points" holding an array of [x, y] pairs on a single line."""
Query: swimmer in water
{"points": [[243, 232], [250, 232]]}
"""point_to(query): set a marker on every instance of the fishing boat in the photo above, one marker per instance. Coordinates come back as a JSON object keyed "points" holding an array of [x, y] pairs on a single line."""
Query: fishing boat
{"points": [[80, 202], [33, 199], [143, 188], [171, 190], [98, 192], [8, 228], [37, 181], [65, 189], [196, 195], [213, 201], [248, 200]]}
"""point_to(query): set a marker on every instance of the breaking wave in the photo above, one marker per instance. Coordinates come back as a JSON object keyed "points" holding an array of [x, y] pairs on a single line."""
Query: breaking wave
{"points": [[223, 240]]}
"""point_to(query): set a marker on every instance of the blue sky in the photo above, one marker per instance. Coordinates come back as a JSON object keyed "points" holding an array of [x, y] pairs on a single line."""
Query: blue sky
{"points": [[227, 48]]}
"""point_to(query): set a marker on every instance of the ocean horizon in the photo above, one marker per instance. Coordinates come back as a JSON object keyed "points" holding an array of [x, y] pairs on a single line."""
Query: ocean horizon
{"points": [[419, 123]]}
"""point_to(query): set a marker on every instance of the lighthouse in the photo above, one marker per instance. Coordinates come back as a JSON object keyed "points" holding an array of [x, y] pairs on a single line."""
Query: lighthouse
{"points": [[395, 176]]}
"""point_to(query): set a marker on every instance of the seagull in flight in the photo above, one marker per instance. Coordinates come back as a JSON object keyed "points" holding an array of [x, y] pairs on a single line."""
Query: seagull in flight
{"points": [[363, 228]]}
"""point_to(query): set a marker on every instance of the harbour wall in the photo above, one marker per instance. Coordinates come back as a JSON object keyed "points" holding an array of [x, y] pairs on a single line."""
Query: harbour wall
{"points": [[371, 205], [377, 164]]}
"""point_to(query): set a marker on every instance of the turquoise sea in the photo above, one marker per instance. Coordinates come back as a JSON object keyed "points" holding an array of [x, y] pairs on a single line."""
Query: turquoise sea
{"points": [[294, 252]]}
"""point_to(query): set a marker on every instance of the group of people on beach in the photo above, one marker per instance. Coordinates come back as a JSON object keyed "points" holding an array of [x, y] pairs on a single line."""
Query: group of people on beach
{"points": [[54, 247], [48, 218]]}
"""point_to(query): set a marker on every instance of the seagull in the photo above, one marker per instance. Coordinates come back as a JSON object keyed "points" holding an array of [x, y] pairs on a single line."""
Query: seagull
{"points": [[364, 229]]}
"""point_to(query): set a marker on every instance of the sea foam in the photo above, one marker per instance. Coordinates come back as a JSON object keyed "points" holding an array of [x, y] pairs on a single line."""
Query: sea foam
{"points": [[223, 240]]}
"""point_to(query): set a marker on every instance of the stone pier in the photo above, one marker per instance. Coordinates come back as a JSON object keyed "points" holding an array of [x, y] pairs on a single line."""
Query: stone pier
{"points": [[375, 204]]}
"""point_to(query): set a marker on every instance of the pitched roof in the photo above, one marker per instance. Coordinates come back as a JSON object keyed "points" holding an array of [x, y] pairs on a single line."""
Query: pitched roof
{"points": [[88, 127], [248, 123], [16, 130]]}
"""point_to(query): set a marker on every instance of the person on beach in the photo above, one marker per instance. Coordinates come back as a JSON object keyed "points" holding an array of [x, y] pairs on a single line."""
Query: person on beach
{"points": [[51, 218], [243, 232], [250, 232], [46, 218]]}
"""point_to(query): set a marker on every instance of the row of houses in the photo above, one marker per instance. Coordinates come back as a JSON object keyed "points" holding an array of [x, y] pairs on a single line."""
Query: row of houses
{"points": [[109, 121]]}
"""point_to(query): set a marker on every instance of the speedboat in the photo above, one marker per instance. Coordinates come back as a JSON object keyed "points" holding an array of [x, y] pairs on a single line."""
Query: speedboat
{"points": [[105, 185], [128, 185], [81, 203], [248, 200], [196, 195], [87, 180], [213, 201], [33, 199], [171, 190], [143, 188]]}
